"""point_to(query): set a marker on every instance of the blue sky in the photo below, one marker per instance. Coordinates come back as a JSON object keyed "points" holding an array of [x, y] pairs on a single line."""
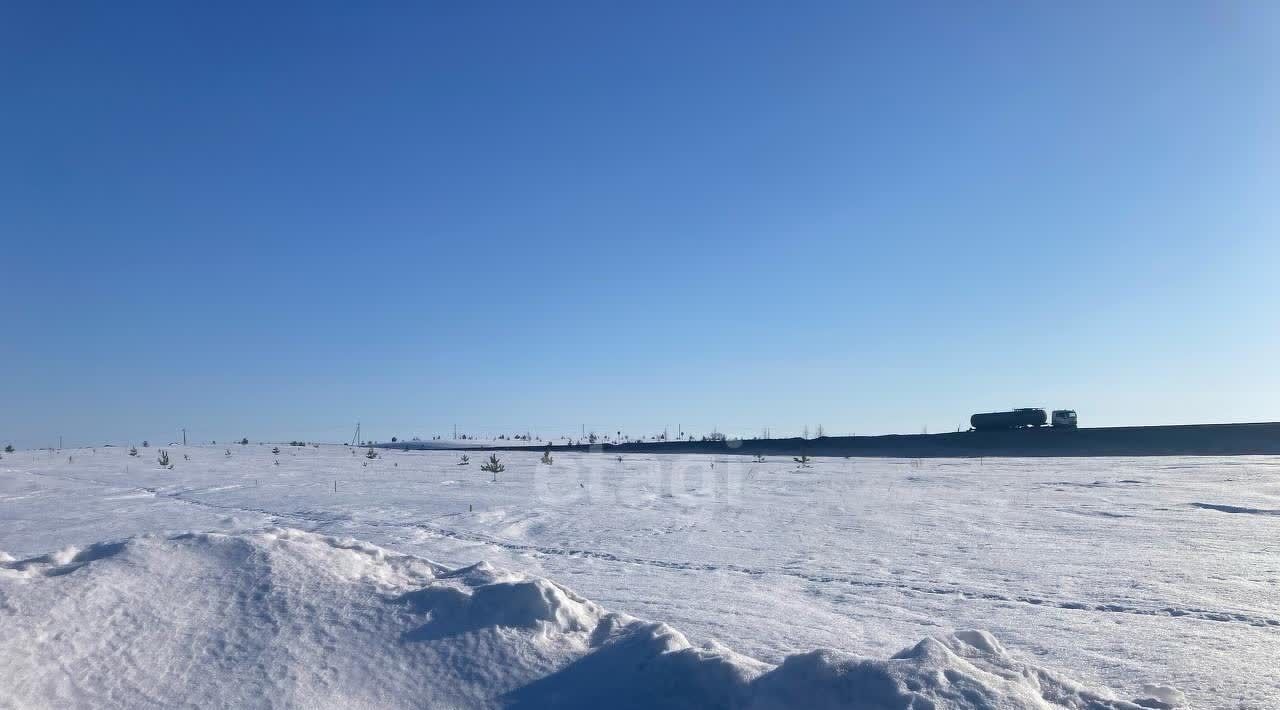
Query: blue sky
{"points": [[276, 221]]}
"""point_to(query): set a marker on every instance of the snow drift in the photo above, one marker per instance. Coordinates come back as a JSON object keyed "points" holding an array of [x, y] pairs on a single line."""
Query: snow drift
{"points": [[281, 617]]}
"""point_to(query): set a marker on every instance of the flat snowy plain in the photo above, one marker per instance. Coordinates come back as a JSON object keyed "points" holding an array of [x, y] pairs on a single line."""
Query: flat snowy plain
{"points": [[1092, 581]]}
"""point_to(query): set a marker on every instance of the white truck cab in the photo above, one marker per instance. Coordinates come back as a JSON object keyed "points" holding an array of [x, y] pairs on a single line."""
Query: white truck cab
{"points": [[1065, 418]]}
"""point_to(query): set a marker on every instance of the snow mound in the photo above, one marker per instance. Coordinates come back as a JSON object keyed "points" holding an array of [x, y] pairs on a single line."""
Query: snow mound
{"points": [[280, 617], [967, 669]]}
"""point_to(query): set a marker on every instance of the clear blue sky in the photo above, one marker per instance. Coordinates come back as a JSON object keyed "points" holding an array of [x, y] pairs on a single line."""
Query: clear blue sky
{"points": [[273, 221]]}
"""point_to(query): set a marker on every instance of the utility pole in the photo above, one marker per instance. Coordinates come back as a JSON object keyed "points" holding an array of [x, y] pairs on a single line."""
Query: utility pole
{"points": [[184, 436], [59, 441]]}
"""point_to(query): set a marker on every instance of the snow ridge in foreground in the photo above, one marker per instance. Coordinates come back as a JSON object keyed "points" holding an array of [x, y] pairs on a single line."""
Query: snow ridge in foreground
{"points": [[281, 617]]}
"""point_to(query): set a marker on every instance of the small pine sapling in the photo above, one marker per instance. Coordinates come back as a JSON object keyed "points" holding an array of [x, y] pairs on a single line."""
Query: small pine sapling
{"points": [[494, 466], [275, 449], [8, 449], [371, 454], [546, 456], [163, 458], [133, 451], [465, 460], [803, 460]]}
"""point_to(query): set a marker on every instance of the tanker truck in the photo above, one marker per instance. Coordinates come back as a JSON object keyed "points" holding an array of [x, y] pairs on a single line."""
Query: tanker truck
{"points": [[1023, 418]]}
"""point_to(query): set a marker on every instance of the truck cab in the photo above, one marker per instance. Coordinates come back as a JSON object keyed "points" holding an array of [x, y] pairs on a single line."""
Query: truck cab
{"points": [[1065, 418]]}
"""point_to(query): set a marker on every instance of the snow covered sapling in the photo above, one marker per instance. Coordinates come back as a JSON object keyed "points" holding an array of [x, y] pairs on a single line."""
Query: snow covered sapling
{"points": [[464, 460], [163, 458], [244, 441], [371, 454], [275, 449], [546, 456], [133, 451], [8, 449], [803, 460], [145, 443], [759, 458]]}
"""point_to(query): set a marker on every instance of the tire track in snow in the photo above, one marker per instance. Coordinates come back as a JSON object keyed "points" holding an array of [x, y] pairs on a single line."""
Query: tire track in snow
{"points": [[1237, 509], [1169, 611], [906, 587]]}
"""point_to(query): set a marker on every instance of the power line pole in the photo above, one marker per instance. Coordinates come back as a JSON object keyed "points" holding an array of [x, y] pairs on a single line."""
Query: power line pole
{"points": [[184, 436]]}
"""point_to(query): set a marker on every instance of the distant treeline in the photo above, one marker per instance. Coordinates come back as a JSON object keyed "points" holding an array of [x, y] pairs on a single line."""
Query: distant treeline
{"points": [[1183, 440]]}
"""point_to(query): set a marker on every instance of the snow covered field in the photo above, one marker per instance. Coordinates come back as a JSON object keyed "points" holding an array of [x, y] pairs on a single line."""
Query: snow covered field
{"points": [[1152, 579]]}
